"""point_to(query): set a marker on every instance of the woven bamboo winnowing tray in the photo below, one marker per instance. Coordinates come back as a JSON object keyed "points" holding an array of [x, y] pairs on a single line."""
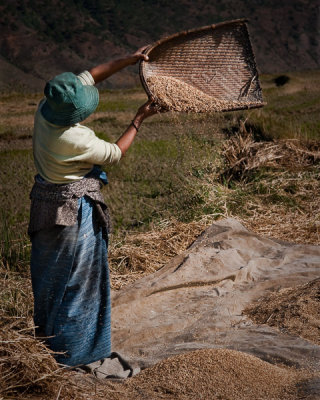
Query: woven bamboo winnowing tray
{"points": [[216, 60]]}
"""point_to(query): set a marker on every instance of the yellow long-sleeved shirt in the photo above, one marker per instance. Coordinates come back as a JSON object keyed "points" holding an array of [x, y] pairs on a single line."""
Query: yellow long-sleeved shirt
{"points": [[67, 154]]}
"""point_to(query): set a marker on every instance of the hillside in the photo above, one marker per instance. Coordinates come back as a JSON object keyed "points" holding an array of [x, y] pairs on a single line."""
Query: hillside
{"points": [[41, 38]]}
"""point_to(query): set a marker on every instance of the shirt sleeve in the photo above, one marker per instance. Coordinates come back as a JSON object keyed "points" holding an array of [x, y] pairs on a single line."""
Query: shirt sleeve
{"points": [[101, 152], [84, 145], [86, 78]]}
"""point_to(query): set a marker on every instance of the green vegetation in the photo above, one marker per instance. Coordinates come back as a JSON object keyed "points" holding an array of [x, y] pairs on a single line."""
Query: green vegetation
{"points": [[292, 110]]}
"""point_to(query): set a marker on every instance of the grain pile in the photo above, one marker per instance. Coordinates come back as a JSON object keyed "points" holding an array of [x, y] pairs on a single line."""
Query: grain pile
{"points": [[296, 310], [173, 94], [214, 374]]}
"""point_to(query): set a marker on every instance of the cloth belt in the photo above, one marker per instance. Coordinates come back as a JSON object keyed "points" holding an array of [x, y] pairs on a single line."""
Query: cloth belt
{"points": [[54, 204]]}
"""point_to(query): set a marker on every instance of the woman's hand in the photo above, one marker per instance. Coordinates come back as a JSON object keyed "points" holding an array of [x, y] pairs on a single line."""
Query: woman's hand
{"points": [[147, 110], [103, 71], [138, 55]]}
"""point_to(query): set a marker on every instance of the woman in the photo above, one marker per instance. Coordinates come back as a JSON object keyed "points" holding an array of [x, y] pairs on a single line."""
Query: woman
{"points": [[69, 219]]}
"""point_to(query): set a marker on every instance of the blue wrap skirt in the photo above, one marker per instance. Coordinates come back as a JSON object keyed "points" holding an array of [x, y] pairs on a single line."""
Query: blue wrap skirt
{"points": [[70, 280]]}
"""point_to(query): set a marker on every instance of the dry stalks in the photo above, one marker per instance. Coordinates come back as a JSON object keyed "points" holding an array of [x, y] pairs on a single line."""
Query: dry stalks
{"points": [[141, 253], [297, 225], [293, 179], [26, 365], [295, 310], [244, 154], [29, 371]]}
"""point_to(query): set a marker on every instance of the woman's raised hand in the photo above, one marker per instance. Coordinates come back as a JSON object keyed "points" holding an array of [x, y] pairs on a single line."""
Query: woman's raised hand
{"points": [[138, 55]]}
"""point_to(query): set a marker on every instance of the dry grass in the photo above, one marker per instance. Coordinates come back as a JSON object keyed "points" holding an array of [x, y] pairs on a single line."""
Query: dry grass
{"points": [[27, 367], [173, 94], [296, 310], [244, 154], [294, 216], [29, 371], [25, 363], [293, 225], [279, 181], [141, 253]]}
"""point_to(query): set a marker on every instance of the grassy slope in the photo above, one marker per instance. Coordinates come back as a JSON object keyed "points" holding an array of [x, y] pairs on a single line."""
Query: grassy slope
{"points": [[293, 109]]}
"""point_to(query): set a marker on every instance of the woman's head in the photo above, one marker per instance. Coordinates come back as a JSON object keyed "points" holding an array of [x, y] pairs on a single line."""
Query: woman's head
{"points": [[68, 101]]}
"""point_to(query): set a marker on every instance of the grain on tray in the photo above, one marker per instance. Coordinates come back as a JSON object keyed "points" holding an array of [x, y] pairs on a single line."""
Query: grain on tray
{"points": [[176, 95]]}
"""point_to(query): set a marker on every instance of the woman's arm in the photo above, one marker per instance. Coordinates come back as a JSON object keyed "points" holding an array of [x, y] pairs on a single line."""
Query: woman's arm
{"points": [[126, 139], [103, 71]]}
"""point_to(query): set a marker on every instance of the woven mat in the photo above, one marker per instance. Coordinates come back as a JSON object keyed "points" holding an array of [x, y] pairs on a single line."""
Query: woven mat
{"points": [[215, 62]]}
